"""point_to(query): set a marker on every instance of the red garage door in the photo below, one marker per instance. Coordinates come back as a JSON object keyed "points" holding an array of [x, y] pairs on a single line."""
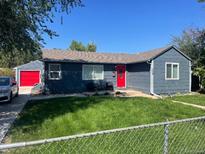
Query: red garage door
{"points": [[29, 78]]}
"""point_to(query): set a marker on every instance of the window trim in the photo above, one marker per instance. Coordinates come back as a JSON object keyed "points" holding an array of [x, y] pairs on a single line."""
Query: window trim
{"points": [[171, 63], [83, 71], [49, 71]]}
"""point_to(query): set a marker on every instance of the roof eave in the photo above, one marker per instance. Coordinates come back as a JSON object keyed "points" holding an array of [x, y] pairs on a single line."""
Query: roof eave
{"points": [[165, 50], [75, 61]]}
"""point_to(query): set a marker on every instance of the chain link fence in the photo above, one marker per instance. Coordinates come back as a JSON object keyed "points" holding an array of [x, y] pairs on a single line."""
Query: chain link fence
{"points": [[181, 136]]}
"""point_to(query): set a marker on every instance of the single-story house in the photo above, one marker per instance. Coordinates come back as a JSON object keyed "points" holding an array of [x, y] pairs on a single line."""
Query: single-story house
{"points": [[27, 75], [159, 71]]}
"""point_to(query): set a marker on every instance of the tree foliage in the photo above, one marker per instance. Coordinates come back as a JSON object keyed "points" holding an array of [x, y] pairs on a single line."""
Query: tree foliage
{"points": [[91, 47], [24, 21], [16, 58], [7, 72], [200, 72], [192, 43], [78, 46]]}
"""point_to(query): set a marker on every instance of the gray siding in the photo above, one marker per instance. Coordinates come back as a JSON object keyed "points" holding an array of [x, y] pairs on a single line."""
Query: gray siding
{"points": [[162, 86], [72, 78], [138, 76]]}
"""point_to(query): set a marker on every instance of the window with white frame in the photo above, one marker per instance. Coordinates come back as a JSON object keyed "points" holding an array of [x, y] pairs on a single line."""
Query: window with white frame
{"points": [[54, 71], [93, 72], [172, 71]]}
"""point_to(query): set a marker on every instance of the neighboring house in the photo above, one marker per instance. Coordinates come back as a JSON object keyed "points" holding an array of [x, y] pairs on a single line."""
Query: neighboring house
{"points": [[160, 71], [27, 75]]}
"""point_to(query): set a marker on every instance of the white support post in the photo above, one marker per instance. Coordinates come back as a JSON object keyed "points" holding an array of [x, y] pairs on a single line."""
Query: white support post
{"points": [[190, 76], [152, 77]]}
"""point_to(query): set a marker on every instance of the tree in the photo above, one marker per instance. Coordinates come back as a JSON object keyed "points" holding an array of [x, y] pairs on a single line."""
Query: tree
{"points": [[91, 47], [24, 21], [78, 46], [200, 72], [9, 60], [192, 43]]}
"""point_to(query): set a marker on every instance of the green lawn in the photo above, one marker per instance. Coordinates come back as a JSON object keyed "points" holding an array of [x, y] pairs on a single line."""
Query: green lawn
{"points": [[187, 137], [198, 99], [72, 115]]}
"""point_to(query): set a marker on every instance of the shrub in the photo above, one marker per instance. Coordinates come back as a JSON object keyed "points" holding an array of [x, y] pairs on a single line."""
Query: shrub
{"points": [[200, 72], [109, 86], [7, 72], [91, 86], [96, 85]]}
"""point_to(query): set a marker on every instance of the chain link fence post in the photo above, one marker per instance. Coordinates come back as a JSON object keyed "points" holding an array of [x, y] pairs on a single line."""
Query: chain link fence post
{"points": [[166, 138]]}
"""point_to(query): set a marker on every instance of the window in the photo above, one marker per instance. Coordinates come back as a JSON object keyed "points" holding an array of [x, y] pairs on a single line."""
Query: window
{"points": [[172, 71], [54, 71], [92, 72]]}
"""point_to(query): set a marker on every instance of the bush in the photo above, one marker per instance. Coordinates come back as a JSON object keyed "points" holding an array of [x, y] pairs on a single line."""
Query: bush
{"points": [[109, 86], [96, 85], [200, 72], [201, 91], [7, 72], [91, 86], [203, 82]]}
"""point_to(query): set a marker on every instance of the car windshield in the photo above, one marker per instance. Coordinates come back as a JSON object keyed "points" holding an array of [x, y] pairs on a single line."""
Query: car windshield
{"points": [[4, 81]]}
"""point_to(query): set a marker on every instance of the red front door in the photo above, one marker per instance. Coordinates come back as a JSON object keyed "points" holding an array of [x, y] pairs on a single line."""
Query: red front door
{"points": [[121, 69]]}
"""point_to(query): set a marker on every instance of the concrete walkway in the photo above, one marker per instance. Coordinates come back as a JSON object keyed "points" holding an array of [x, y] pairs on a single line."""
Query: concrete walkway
{"points": [[135, 93], [9, 112], [188, 104], [124, 93]]}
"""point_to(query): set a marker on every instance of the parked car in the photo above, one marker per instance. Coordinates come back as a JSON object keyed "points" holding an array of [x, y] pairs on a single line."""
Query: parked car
{"points": [[37, 89], [8, 88]]}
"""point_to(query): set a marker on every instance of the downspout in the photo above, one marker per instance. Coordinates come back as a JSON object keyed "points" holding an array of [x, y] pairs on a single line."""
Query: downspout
{"points": [[156, 95], [190, 76], [151, 62]]}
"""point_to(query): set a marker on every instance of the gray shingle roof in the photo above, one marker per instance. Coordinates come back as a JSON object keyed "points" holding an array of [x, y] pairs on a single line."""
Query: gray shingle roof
{"points": [[97, 57], [33, 65]]}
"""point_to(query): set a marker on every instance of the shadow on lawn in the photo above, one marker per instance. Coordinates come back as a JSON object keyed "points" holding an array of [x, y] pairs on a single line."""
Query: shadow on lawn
{"points": [[37, 112]]}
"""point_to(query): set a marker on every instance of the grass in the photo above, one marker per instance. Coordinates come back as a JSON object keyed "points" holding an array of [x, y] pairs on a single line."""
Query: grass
{"points": [[72, 115], [187, 137], [198, 99]]}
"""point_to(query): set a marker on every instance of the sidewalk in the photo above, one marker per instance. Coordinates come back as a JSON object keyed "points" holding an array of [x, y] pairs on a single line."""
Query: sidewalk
{"points": [[9, 112]]}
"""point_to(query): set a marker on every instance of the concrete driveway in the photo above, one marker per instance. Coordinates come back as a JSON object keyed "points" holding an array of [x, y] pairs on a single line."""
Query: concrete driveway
{"points": [[9, 112]]}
